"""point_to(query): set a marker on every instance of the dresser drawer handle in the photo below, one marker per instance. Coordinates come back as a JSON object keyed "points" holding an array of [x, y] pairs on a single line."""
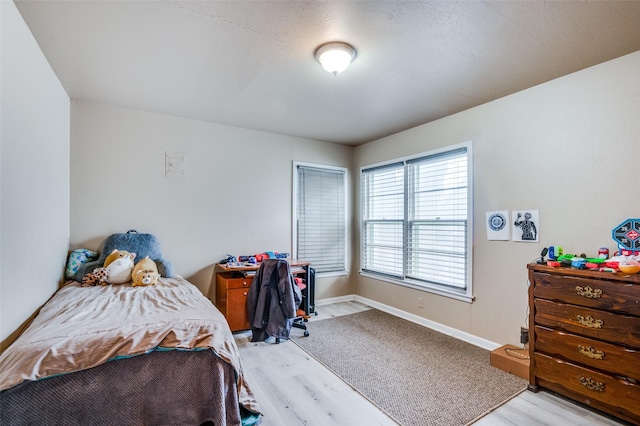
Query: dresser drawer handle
{"points": [[589, 292], [588, 321], [589, 383], [590, 352]]}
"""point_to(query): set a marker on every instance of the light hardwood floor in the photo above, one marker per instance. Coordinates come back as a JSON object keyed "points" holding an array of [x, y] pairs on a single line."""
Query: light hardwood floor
{"points": [[295, 389]]}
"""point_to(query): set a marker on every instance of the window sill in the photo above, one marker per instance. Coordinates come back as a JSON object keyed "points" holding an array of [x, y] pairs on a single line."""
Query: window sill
{"points": [[331, 274], [428, 288]]}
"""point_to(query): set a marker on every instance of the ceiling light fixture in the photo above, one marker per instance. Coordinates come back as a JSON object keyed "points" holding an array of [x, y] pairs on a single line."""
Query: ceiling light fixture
{"points": [[335, 57]]}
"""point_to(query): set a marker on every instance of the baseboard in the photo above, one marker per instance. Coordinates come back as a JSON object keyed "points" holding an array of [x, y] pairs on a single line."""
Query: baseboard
{"points": [[450, 331], [330, 300]]}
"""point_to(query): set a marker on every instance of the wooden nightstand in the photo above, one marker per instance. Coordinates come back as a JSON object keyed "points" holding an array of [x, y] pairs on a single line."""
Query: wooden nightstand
{"points": [[232, 290]]}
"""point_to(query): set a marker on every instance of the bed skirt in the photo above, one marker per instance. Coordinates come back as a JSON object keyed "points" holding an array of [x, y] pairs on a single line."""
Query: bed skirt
{"points": [[172, 387]]}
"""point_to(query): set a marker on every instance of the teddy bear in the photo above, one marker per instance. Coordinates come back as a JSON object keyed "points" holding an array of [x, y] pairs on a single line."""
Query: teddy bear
{"points": [[144, 273], [118, 266]]}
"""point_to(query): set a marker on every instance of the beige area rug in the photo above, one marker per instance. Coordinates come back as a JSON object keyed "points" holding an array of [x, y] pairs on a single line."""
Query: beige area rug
{"points": [[418, 376]]}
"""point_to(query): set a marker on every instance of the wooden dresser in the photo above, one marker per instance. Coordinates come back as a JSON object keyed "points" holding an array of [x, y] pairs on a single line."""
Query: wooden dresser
{"points": [[584, 343]]}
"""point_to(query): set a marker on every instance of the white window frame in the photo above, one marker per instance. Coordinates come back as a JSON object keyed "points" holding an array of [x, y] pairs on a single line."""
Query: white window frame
{"points": [[294, 233], [465, 294]]}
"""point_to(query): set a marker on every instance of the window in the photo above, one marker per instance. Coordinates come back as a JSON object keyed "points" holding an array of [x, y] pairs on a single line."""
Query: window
{"points": [[320, 216], [416, 221]]}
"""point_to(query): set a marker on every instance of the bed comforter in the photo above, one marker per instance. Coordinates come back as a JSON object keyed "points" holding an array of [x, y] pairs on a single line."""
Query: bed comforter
{"points": [[85, 327]]}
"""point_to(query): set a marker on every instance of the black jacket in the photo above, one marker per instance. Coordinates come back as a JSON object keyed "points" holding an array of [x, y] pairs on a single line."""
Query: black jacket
{"points": [[273, 300]]}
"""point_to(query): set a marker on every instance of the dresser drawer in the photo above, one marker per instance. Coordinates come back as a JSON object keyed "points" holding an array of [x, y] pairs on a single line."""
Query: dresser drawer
{"points": [[601, 325], [589, 352], [238, 282], [599, 294], [590, 387]]}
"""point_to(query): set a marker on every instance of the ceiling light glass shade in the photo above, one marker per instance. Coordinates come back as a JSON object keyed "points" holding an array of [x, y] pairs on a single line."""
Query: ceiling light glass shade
{"points": [[335, 57]]}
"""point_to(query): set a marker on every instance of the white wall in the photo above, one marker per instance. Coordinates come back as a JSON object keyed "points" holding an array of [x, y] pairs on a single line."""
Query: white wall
{"points": [[34, 175], [568, 148], [235, 198]]}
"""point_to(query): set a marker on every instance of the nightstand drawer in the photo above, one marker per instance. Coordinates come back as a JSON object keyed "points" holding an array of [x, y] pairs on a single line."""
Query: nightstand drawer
{"points": [[589, 352], [598, 294], [594, 323], [590, 387], [244, 282]]}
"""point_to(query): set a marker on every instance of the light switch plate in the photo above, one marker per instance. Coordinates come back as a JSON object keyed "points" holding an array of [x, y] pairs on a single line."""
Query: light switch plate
{"points": [[175, 164]]}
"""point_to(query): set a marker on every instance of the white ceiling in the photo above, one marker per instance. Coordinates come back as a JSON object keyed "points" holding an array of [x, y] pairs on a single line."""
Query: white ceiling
{"points": [[250, 63]]}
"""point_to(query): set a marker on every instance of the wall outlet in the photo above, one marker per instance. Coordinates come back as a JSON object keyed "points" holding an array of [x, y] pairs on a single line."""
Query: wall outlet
{"points": [[524, 335], [420, 302]]}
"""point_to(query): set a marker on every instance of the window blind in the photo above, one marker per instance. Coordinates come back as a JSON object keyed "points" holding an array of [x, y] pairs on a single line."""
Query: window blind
{"points": [[320, 210], [383, 219], [437, 219], [415, 219]]}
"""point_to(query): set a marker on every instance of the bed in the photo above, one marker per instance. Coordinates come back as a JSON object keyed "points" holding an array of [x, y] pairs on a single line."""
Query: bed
{"points": [[123, 355]]}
